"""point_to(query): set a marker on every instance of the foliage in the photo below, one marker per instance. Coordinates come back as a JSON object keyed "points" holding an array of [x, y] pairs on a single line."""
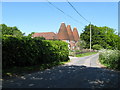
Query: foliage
{"points": [[30, 35], [14, 31], [81, 44], [110, 58], [104, 36], [26, 51], [97, 47], [118, 43], [39, 38], [77, 50], [85, 54]]}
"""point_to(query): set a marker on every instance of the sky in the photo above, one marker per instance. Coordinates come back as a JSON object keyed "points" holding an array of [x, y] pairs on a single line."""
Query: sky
{"points": [[43, 17]]}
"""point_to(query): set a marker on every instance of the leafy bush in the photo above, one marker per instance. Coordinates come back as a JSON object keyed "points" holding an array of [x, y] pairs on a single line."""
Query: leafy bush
{"points": [[77, 50], [39, 38], [26, 51], [97, 47], [81, 44], [110, 58], [109, 47]]}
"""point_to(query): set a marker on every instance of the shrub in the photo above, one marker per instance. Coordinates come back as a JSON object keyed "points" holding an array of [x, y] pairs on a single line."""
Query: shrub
{"points": [[39, 38], [110, 58], [97, 47], [81, 44], [109, 47], [77, 50], [27, 51]]}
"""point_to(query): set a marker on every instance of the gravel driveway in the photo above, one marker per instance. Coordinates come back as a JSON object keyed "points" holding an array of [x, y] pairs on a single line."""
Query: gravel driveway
{"points": [[81, 72]]}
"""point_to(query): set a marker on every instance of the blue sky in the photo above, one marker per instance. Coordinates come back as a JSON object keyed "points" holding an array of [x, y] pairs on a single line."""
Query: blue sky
{"points": [[42, 17]]}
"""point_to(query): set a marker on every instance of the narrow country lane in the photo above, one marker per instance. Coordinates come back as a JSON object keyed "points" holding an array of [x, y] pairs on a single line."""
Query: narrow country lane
{"points": [[80, 72]]}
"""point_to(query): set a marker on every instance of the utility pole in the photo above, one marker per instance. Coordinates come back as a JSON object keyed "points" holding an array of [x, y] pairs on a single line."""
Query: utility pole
{"points": [[90, 36]]}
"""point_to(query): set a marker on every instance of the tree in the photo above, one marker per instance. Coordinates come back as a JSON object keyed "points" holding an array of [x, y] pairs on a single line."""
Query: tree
{"points": [[14, 31], [103, 36]]}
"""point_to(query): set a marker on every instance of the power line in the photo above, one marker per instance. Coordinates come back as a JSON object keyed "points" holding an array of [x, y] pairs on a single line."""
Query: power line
{"points": [[72, 17], [77, 11], [83, 18], [63, 12]]}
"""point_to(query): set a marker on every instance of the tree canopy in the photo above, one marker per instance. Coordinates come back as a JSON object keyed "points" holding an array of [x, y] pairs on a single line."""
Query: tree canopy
{"points": [[14, 31], [103, 36]]}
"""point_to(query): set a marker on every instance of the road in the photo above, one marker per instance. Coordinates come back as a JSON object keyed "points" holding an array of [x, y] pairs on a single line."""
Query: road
{"points": [[80, 72]]}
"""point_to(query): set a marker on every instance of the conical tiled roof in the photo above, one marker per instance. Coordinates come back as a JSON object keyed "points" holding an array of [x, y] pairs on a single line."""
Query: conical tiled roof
{"points": [[63, 34], [75, 34], [70, 33]]}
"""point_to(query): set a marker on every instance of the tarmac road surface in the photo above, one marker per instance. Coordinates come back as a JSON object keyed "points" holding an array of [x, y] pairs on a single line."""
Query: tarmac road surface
{"points": [[80, 72]]}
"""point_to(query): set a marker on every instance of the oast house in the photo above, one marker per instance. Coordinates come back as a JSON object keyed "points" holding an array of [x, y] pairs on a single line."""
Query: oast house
{"points": [[65, 34]]}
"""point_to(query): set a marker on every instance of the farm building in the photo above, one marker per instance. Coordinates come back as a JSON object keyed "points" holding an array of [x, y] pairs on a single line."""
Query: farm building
{"points": [[65, 34]]}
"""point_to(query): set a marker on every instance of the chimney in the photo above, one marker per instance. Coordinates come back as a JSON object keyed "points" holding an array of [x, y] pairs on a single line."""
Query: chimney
{"points": [[63, 34], [70, 33], [75, 34]]}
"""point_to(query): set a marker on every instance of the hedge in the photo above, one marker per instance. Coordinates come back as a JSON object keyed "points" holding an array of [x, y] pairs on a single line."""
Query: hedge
{"points": [[110, 58], [26, 51]]}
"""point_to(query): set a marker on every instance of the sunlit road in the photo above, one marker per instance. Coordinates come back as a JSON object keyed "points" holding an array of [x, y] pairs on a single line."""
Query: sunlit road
{"points": [[83, 72], [89, 61]]}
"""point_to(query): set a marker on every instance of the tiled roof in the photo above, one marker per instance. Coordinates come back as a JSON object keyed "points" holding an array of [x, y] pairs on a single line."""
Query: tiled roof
{"points": [[70, 33], [75, 34], [46, 35], [63, 34]]}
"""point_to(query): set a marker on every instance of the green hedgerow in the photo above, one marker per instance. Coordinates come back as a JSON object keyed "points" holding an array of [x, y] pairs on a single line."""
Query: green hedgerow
{"points": [[27, 51], [110, 58]]}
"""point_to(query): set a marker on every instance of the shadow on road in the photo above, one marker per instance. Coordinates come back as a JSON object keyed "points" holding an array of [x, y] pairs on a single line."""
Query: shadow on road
{"points": [[67, 77]]}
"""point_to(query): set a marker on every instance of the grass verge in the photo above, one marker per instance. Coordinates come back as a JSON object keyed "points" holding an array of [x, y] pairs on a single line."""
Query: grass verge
{"points": [[20, 71], [86, 54]]}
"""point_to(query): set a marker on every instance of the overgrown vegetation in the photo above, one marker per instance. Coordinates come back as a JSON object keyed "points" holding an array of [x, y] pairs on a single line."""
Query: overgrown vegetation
{"points": [[110, 58], [26, 51]]}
